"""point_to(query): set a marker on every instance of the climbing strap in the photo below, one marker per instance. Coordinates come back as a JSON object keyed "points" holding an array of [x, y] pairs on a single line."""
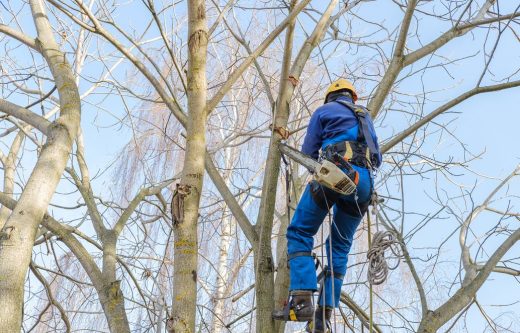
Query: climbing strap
{"points": [[326, 272], [300, 254], [303, 254]]}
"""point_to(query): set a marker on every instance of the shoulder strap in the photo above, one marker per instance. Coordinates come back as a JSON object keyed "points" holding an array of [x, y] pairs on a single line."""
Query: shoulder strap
{"points": [[361, 114]]}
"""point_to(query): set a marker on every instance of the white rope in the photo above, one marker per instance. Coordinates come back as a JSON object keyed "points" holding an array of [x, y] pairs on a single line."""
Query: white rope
{"points": [[381, 241], [377, 265]]}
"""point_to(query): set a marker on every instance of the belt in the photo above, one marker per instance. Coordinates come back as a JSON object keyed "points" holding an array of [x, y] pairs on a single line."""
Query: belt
{"points": [[353, 152]]}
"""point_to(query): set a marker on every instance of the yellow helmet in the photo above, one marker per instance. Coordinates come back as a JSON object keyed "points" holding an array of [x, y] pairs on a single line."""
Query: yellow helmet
{"points": [[341, 84]]}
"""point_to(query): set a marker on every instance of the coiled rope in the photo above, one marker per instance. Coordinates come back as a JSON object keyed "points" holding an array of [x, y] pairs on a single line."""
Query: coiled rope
{"points": [[377, 245], [377, 264]]}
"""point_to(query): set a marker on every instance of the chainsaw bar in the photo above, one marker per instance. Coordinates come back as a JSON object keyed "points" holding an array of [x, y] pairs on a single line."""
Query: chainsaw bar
{"points": [[299, 157], [326, 173]]}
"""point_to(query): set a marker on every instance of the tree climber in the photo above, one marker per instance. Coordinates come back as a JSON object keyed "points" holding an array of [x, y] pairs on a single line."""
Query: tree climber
{"points": [[345, 133]]}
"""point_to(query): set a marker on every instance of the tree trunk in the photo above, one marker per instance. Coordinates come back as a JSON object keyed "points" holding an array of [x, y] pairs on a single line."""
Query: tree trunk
{"points": [[17, 235], [110, 294], [190, 188], [9, 170], [263, 254], [223, 271], [264, 266], [282, 280]]}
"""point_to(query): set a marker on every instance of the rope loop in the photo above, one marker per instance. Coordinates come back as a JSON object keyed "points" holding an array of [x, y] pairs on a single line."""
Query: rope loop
{"points": [[378, 267]]}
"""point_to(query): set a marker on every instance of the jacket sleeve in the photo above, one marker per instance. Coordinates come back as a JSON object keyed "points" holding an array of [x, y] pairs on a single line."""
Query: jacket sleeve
{"points": [[313, 139]]}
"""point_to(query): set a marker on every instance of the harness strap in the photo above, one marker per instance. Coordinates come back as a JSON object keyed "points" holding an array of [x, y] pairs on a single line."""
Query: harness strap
{"points": [[361, 114], [288, 313], [353, 152], [299, 254], [302, 254], [326, 272]]}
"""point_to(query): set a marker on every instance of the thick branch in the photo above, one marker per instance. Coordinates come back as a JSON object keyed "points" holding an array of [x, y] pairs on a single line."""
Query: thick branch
{"points": [[22, 38], [399, 60], [396, 63], [475, 91], [25, 115], [503, 270], [405, 26], [454, 32], [230, 200]]}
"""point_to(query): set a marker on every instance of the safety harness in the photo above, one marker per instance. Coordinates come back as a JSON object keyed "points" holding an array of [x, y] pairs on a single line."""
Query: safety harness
{"points": [[363, 152]]}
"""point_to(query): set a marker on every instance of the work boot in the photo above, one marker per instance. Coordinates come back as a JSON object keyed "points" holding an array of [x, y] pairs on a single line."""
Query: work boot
{"points": [[299, 307], [319, 325]]}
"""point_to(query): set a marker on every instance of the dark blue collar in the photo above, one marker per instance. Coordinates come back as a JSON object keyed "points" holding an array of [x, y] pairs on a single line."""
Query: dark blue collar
{"points": [[343, 98]]}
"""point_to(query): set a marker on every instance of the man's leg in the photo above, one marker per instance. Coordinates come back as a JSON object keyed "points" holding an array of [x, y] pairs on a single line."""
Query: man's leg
{"points": [[348, 212], [344, 225], [304, 225], [338, 245]]}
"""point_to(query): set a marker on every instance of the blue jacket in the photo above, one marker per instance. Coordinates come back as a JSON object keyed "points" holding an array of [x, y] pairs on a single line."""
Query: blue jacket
{"points": [[332, 123]]}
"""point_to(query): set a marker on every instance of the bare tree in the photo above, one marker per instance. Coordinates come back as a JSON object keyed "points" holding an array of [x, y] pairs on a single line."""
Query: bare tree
{"points": [[213, 85]]}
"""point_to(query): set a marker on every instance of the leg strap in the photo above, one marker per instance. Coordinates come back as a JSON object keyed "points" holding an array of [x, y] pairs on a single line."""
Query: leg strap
{"points": [[303, 254], [327, 272], [300, 254]]}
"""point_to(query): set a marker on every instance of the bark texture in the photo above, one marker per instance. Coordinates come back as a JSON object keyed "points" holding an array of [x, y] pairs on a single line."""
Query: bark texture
{"points": [[189, 190], [18, 234], [9, 164]]}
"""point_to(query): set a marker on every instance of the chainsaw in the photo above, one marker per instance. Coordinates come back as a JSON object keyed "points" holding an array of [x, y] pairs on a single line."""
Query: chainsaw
{"points": [[325, 172]]}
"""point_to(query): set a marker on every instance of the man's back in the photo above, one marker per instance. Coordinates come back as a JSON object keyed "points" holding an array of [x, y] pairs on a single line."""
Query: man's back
{"points": [[330, 123]]}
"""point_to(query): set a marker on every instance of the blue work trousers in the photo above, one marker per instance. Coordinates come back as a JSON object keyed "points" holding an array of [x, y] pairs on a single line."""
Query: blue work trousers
{"points": [[307, 219]]}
